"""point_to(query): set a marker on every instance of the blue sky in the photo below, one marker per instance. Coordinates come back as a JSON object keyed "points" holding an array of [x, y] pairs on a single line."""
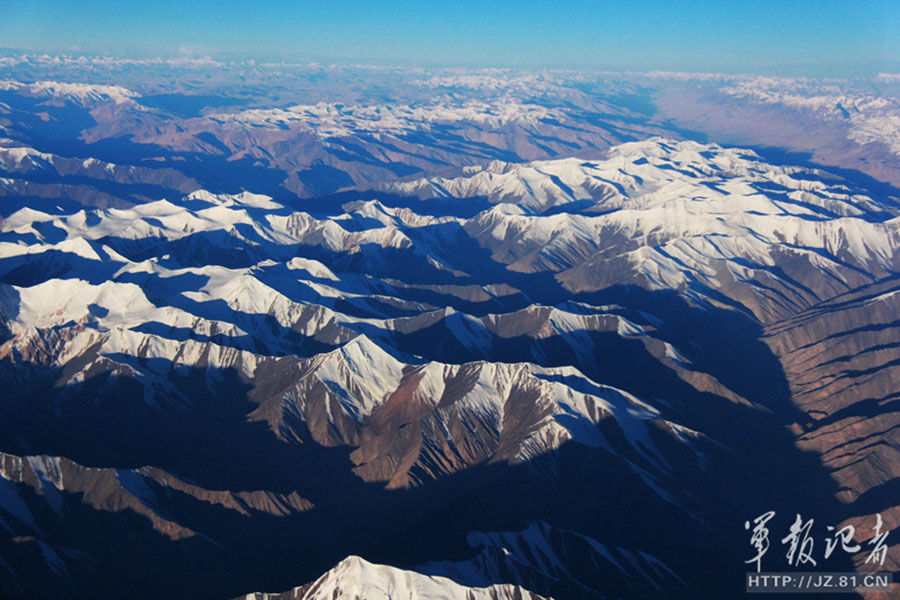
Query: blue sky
{"points": [[779, 37]]}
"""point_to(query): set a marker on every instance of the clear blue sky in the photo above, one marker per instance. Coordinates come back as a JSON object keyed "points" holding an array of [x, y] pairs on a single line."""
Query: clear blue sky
{"points": [[788, 36]]}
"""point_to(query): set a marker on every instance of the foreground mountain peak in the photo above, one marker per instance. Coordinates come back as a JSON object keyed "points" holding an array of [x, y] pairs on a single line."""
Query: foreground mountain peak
{"points": [[355, 578]]}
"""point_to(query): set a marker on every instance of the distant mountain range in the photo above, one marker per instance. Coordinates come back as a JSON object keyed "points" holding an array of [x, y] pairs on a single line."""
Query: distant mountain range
{"points": [[307, 332]]}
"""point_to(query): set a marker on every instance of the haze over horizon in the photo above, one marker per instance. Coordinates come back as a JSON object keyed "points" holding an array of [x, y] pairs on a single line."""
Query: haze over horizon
{"points": [[820, 39], [474, 301]]}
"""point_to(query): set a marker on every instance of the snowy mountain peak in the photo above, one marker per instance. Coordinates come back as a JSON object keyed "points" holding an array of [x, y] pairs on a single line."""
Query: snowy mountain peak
{"points": [[355, 578]]}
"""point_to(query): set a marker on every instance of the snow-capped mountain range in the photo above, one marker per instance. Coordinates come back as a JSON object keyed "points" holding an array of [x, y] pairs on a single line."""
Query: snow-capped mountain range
{"points": [[518, 340]]}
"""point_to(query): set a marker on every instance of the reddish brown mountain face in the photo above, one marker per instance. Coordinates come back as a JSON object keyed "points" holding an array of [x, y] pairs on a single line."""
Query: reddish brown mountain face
{"points": [[529, 338]]}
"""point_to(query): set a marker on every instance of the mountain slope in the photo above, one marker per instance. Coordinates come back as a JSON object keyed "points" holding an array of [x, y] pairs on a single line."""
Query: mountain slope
{"points": [[535, 351], [355, 578]]}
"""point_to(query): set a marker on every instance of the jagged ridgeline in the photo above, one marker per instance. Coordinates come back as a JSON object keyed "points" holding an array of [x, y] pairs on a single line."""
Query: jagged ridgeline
{"points": [[523, 341]]}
